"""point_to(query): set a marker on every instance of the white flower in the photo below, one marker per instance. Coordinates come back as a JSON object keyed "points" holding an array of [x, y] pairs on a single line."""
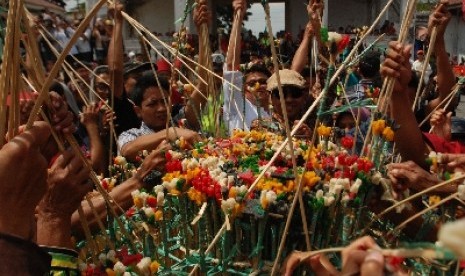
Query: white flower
{"points": [[354, 188], [271, 196], [160, 199], [228, 205], [144, 266], [461, 191], [111, 255], [452, 236], [158, 189], [328, 200], [119, 268], [230, 179], [149, 212], [102, 257], [135, 193], [319, 194]]}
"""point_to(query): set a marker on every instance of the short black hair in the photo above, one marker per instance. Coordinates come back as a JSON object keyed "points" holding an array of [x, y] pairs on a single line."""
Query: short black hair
{"points": [[369, 64], [103, 69], [258, 68], [145, 82]]}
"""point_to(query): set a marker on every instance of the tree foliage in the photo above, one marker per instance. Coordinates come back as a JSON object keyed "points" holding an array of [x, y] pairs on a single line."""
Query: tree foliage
{"points": [[224, 16]]}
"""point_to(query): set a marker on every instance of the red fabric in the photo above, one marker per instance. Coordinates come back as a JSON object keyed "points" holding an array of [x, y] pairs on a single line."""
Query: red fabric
{"points": [[440, 145], [23, 95], [176, 97], [163, 66]]}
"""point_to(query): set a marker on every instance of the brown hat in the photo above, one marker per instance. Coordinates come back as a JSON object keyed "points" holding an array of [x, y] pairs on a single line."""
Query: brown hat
{"points": [[288, 77]]}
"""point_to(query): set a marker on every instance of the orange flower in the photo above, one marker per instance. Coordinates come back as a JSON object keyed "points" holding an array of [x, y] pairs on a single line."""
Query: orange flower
{"points": [[378, 127], [324, 131], [388, 134]]}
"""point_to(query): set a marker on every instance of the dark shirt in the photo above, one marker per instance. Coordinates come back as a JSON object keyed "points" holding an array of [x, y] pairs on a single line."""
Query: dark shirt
{"points": [[21, 257], [126, 117]]}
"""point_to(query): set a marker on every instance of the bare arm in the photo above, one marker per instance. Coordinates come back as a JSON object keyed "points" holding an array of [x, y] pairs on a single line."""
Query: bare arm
{"points": [[445, 78], [408, 137], [89, 118], [121, 193], [197, 100], [312, 29], [151, 141], [115, 54], [233, 57]]}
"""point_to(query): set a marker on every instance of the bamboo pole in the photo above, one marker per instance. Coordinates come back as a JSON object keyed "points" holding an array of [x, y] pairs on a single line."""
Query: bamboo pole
{"points": [[56, 67]]}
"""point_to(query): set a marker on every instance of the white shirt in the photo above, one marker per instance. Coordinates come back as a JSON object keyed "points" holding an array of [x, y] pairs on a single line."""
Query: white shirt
{"points": [[83, 44], [235, 104], [418, 66]]}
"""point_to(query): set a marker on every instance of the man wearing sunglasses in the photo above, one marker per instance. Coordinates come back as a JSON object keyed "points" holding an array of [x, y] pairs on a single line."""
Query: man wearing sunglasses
{"points": [[245, 94], [296, 101]]}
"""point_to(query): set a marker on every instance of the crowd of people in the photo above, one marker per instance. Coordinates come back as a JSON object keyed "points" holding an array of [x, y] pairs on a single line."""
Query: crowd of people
{"points": [[123, 99]]}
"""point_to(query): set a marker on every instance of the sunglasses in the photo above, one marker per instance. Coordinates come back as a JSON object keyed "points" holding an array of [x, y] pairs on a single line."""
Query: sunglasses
{"points": [[252, 83], [293, 92]]}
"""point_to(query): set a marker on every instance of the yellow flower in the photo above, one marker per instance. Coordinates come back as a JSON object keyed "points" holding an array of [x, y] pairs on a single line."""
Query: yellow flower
{"points": [[158, 215], [138, 202], [324, 131], [378, 127], [196, 196], [434, 199], [154, 266], [310, 179], [388, 134]]}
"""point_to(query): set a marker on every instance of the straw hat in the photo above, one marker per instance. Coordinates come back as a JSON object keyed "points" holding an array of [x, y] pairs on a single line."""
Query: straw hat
{"points": [[288, 77]]}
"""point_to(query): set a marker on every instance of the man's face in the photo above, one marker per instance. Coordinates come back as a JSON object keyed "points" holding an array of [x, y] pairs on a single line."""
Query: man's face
{"points": [[152, 110], [255, 89], [294, 99], [420, 57]]}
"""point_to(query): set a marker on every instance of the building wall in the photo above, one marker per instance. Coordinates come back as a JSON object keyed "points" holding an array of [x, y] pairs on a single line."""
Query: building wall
{"points": [[455, 36], [156, 16]]}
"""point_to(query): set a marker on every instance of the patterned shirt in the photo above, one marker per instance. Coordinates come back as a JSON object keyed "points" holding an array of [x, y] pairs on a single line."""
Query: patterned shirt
{"points": [[133, 134]]}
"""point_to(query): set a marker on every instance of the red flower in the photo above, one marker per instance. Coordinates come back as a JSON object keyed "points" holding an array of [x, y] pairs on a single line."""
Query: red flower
{"points": [[130, 212], [173, 166], [247, 177], [168, 156], [347, 142], [224, 143], [151, 201]]}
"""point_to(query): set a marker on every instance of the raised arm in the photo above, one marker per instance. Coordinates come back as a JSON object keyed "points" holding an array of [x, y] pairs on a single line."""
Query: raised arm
{"points": [[233, 57], [115, 53], [202, 17], [445, 77], [408, 137], [311, 30]]}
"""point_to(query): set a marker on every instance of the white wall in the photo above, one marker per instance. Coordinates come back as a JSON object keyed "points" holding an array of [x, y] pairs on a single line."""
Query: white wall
{"points": [[455, 36], [156, 16]]}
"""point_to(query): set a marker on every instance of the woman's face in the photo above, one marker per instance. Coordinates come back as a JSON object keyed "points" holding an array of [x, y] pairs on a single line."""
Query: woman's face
{"points": [[101, 85]]}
